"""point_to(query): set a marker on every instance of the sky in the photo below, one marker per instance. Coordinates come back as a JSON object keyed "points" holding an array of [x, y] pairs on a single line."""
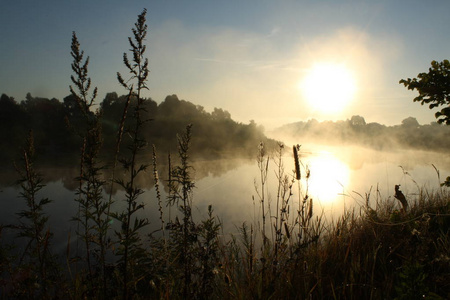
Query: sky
{"points": [[247, 57]]}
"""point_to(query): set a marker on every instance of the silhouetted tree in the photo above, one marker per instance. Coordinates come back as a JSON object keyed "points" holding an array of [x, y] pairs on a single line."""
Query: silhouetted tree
{"points": [[433, 88], [410, 122], [357, 121], [12, 131], [47, 116], [220, 114], [54, 123]]}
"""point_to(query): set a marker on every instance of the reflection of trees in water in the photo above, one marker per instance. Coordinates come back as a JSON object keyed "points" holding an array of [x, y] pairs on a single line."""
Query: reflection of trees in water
{"points": [[202, 169], [355, 157], [8, 176], [67, 175]]}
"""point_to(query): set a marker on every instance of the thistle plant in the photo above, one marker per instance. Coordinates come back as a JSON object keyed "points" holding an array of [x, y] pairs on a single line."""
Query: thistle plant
{"points": [[34, 227], [263, 166], [131, 251], [208, 254], [93, 213], [194, 247], [184, 232]]}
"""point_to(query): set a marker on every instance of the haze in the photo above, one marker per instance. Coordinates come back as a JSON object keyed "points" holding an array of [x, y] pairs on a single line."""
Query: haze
{"points": [[245, 57]]}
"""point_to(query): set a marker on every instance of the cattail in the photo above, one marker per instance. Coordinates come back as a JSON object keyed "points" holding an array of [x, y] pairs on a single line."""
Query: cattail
{"points": [[297, 162], [288, 234], [310, 211], [262, 151]]}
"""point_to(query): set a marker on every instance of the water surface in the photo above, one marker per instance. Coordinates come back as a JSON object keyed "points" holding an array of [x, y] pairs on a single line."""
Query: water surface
{"points": [[340, 179]]}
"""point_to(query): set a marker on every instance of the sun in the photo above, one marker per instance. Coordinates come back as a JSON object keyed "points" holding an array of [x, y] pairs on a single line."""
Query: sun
{"points": [[328, 87]]}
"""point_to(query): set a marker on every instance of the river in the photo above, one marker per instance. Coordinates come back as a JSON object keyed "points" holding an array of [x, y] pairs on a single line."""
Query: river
{"points": [[341, 178]]}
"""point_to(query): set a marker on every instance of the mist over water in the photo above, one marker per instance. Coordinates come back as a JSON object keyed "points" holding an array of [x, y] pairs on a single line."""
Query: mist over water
{"points": [[341, 177]]}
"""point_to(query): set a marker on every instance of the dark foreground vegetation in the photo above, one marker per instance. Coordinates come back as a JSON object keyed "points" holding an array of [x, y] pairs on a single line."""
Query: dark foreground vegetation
{"points": [[377, 252]]}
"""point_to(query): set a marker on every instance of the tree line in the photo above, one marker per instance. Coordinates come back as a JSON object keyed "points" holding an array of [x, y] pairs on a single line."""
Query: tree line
{"points": [[408, 134], [217, 135]]}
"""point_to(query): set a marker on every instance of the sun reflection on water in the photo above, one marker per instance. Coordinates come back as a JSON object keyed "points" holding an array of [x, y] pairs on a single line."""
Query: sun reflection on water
{"points": [[329, 177]]}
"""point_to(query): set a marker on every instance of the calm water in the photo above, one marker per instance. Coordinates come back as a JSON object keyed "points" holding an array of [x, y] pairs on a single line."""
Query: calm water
{"points": [[340, 178]]}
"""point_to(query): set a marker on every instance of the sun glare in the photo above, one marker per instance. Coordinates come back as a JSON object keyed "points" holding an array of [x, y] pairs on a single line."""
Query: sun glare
{"points": [[329, 177], [328, 87]]}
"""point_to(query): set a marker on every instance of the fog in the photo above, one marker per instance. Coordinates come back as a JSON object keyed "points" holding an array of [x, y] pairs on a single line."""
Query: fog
{"points": [[409, 134], [350, 161], [341, 178]]}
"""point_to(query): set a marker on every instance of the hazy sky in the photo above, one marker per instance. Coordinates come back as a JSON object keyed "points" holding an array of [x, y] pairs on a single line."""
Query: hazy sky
{"points": [[247, 57]]}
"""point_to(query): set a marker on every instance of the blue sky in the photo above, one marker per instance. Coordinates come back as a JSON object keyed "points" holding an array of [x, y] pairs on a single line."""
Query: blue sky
{"points": [[246, 57]]}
